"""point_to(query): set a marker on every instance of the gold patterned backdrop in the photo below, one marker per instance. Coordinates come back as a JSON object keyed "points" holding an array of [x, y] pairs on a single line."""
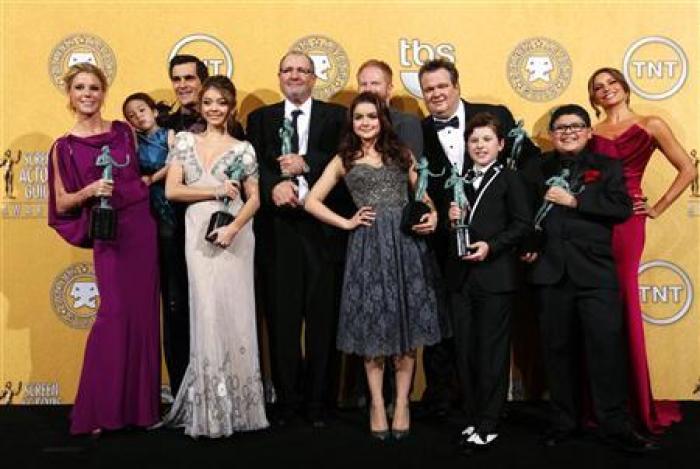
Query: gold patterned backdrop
{"points": [[528, 55]]}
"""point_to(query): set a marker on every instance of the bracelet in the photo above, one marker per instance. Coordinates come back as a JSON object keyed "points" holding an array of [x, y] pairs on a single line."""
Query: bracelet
{"points": [[218, 192]]}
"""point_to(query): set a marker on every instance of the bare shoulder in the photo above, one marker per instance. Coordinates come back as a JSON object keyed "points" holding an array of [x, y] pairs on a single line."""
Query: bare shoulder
{"points": [[655, 126]]}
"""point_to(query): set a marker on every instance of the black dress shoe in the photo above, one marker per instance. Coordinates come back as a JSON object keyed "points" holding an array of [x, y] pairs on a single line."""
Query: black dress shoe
{"points": [[631, 442], [318, 419], [556, 437]]}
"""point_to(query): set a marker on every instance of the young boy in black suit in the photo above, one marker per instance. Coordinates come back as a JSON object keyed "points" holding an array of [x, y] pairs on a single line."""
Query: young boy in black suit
{"points": [[574, 272], [482, 284]]}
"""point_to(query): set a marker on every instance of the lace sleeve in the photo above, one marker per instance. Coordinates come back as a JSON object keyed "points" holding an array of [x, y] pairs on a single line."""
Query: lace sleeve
{"points": [[250, 162], [181, 149]]}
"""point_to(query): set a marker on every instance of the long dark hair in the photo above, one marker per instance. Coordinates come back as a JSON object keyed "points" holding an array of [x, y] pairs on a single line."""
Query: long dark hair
{"points": [[617, 75], [387, 144]]}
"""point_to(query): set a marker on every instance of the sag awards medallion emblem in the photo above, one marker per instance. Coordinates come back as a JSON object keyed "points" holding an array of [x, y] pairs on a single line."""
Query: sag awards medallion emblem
{"points": [[74, 295], [539, 69], [81, 48], [330, 61]]}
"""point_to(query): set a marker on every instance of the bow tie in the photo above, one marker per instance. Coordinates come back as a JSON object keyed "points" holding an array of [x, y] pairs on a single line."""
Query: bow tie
{"points": [[442, 124], [475, 173]]}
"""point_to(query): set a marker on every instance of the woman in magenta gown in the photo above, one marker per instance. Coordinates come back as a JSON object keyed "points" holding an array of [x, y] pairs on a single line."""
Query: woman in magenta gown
{"points": [[632, 138], [120, 380]]}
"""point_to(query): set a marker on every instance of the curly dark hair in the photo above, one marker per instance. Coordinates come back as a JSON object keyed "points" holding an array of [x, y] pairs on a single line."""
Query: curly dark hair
{"points": [[388, 144]]}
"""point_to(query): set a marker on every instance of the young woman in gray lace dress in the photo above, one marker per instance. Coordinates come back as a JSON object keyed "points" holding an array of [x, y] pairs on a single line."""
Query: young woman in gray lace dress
{"points": [[389, 305]]}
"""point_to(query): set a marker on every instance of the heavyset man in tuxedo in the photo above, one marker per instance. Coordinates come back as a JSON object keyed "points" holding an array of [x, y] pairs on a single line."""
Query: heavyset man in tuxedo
{"points": [[574, 272], [444, 146], [298, 256]]}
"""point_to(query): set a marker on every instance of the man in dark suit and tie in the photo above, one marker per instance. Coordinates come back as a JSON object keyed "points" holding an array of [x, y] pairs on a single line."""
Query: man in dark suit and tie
{"points": [[297, 255], [574, 271], [444, 146]]}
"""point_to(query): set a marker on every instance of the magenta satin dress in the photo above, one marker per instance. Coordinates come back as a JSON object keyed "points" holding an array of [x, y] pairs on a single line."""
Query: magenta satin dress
{"points": [[634, 148], [120, 380]]}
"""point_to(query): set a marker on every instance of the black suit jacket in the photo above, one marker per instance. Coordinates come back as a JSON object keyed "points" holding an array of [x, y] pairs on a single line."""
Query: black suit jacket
{"points": [[578, 241], [325, 127], [502, 219], [437, 160], [408, 128]]}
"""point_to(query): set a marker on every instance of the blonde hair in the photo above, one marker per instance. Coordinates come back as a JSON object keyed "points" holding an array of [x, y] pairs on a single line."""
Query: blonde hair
{"points": [[84, 67]]}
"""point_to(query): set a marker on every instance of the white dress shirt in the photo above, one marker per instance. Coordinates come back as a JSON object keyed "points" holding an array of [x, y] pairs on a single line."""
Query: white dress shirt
{"points": [[452, 140], [303, 133], [482, 169]]}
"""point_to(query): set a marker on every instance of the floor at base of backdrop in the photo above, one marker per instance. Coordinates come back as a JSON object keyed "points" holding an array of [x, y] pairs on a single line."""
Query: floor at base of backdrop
{"points": [[37, 436]]}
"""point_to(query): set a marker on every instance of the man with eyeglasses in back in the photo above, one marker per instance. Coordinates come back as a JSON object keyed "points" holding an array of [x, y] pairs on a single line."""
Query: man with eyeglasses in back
{"points": [[298, 257]]}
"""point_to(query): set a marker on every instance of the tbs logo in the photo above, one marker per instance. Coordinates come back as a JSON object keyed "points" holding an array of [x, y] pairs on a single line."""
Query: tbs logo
{"points": [[414, 53]]}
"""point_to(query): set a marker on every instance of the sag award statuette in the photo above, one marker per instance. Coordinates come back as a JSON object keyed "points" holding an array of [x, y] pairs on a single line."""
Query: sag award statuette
{"points": [[461, 237], [234, 173], [103, 218], [416, 208], [518, 134], [562, 180], [286, 134]]}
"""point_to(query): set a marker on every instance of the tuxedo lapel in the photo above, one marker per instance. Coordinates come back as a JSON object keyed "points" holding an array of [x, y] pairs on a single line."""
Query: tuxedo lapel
{"points": [[433, 142], [275, 123], [485, 180], [315, 124]]}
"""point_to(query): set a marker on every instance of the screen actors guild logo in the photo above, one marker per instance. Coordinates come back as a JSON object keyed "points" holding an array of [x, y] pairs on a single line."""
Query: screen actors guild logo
{"points": [[539, 69], [74, 295], [81, 48], [8, 163], [414, 54], [655, 67], [330, 62], [212, 51], [665, 292]]}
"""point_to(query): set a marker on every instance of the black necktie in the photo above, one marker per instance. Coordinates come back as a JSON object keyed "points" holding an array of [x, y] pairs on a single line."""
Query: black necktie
{"points": [[295, 135], [441, 124]]}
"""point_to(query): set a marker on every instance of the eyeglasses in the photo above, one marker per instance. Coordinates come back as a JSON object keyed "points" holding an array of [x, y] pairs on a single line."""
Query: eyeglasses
{"points": [[573, 128], [299, 70]]}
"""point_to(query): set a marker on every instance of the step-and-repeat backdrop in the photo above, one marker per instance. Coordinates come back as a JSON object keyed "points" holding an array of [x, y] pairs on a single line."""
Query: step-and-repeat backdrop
{"points": [[531, 57]]}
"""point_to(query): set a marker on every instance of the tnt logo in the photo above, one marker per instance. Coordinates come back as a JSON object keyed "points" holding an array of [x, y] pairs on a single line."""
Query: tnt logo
{"points": [[209, 49], [665, 292], [414, 53], [656, 67]]}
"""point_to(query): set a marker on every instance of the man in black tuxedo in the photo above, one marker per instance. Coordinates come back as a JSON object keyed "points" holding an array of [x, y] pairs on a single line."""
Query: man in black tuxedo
{"points": [[298, 255], [444, 146], [187, 73], [576, 280]]}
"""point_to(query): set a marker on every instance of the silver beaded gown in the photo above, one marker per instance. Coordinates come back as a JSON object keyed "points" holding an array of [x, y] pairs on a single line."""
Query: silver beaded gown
{"points": [[390, 302], [221, 392]]}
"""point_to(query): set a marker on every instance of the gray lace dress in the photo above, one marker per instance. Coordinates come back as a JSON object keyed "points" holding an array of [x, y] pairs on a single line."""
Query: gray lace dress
{"points": [[389, 303]]}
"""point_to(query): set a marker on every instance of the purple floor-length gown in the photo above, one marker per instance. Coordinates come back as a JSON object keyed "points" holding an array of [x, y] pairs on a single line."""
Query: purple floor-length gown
{"points": [[120, 380]]}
